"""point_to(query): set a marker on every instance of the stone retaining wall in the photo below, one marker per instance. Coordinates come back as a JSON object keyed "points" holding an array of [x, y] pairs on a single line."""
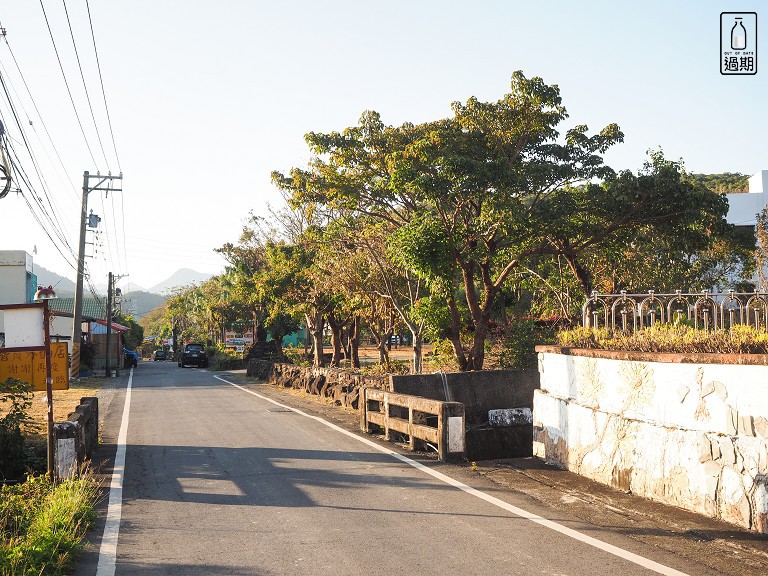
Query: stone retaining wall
{"points": [[341, 386], [77, 437], [691, 434]]}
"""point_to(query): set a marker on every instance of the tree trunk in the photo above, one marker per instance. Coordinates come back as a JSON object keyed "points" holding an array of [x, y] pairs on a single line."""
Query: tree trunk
{"points": [[481, 314], [454, 333], [337, 328], [315, 325], [476, 354], [583, 275], [354, 342], [416, 366]]}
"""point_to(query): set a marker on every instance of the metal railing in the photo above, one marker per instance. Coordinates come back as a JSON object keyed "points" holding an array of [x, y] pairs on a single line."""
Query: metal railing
{"points": [[706, 310], [421, 419]]}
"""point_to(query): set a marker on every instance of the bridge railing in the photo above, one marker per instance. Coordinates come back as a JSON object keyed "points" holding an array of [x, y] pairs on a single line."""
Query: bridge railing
{"points": [[423, 420], [705, 310]]}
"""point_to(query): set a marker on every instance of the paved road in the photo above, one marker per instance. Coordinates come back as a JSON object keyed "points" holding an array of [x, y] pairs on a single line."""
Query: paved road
{"points": [[219, 480]]}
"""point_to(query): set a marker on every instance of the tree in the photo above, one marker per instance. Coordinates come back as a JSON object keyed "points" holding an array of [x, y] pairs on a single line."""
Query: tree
{"points": [[651, 230], [471, 181]]}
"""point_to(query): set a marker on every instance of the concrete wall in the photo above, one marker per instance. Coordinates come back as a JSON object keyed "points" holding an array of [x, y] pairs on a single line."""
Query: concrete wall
{"points": [[691, 434], [481, 392]]}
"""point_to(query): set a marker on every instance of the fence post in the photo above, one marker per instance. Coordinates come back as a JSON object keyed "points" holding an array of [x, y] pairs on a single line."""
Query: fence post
{"points": [[363, 405], [451, 431]]}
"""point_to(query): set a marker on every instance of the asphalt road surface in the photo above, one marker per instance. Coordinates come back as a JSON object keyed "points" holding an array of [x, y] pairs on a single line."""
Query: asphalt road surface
{"points": [[221, 479]]}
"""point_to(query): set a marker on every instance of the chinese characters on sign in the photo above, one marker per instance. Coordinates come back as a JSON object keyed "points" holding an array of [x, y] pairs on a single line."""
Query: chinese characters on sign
{"points": [[30, 367], [738, 43]]}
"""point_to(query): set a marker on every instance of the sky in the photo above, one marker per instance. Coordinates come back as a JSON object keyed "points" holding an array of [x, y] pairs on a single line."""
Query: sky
{"points": [[206, 99]]}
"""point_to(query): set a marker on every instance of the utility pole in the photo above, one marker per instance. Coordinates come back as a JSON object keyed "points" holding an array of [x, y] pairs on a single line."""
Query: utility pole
{"points": [[109, 321], [77, 328]]}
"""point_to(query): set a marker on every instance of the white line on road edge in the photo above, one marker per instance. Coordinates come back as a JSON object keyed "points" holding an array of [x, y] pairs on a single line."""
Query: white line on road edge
{"points": [[108, 550], [576, 535]]}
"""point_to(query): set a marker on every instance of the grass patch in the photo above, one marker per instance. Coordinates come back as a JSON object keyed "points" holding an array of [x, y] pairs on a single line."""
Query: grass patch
{"points": [[670, 338], [42, 525]]}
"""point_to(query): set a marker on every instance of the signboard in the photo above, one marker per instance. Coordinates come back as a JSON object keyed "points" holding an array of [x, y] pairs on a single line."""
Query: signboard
{"points": [[238, 340], [30, 367], [24, 326]]}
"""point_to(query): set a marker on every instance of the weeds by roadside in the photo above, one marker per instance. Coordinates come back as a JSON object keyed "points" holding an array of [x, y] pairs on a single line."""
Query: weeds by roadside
{"points": [[42, 525]]}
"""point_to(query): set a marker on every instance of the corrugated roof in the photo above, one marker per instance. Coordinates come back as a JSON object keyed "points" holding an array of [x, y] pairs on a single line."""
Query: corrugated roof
{"points": [[92, 308]]}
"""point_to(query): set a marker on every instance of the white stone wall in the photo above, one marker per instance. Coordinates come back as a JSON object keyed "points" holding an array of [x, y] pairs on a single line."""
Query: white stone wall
{"points": [[690, 435]]}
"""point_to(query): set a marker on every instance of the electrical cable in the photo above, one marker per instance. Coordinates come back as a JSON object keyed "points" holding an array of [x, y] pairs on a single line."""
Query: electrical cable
{"points": [[63, 74], [41, 178], [85, 86], [40, 116], [103, 93]]}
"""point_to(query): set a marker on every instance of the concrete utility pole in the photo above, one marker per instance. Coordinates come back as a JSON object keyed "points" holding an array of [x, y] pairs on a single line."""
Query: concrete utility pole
{"points": [[109, 321], [77, 328]]}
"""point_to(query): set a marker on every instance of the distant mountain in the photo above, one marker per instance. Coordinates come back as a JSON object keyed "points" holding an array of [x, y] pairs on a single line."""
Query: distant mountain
{"points": [[64, 287], [136, 302], [139, 302], [180, 278]]}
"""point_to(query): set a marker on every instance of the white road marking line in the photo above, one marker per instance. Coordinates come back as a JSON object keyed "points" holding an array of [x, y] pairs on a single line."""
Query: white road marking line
{"points": [[571, 533], [108, 550]]}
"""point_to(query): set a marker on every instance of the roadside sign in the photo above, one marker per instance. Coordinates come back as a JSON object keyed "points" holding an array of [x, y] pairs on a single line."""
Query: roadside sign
{"points": [[30, 367]]}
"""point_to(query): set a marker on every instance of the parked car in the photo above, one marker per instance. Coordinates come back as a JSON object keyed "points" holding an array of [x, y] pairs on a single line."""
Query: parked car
{"points": [[131, 358], [160, 355], [193, 353]]}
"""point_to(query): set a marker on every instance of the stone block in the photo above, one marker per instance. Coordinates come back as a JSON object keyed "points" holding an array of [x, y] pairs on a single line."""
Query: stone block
{"points": [[761, 426], [715, 450], [731, 421], [711, 480], [707, 389], [721, 391], [746, 426], [509, 417], [705, 449], [727, 452]]}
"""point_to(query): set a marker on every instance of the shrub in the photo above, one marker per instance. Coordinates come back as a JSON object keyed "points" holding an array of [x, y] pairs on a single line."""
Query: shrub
{"points": [[42, 525], [514, 346], [670, 338], [12, 446], [224, 359]]}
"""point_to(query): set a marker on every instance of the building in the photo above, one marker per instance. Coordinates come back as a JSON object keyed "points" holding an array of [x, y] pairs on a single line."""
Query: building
{"points": [[743, 208], [18, 283]]}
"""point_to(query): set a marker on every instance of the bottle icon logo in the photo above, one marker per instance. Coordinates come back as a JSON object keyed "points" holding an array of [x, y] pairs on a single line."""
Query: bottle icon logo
{"points": [[738, 35], [738, 43]]}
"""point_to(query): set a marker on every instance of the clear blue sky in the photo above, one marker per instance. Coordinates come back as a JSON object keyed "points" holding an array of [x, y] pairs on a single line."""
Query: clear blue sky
{"points": [[207, 98]]}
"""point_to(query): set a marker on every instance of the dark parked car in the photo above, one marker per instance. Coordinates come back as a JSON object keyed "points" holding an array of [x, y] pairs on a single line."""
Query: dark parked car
{"points": [[160, 355], [193, 354], [131, 358]]}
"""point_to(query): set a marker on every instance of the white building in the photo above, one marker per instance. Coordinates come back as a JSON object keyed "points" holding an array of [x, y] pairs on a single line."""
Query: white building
{"points": [[18, 283], [743, 208]]}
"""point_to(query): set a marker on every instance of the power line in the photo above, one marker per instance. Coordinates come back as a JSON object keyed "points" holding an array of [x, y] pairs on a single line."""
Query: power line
{"points": [[103, 93], [85, 86], [18, 168], [34, 163], [63, 74], [39, 115]]}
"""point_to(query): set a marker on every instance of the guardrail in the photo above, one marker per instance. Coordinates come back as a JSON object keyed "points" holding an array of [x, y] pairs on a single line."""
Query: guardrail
{"points": [[423, 420]]}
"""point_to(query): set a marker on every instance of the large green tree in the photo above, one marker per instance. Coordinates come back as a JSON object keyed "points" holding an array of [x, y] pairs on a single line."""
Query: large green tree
{"points": [[471, 181]]}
